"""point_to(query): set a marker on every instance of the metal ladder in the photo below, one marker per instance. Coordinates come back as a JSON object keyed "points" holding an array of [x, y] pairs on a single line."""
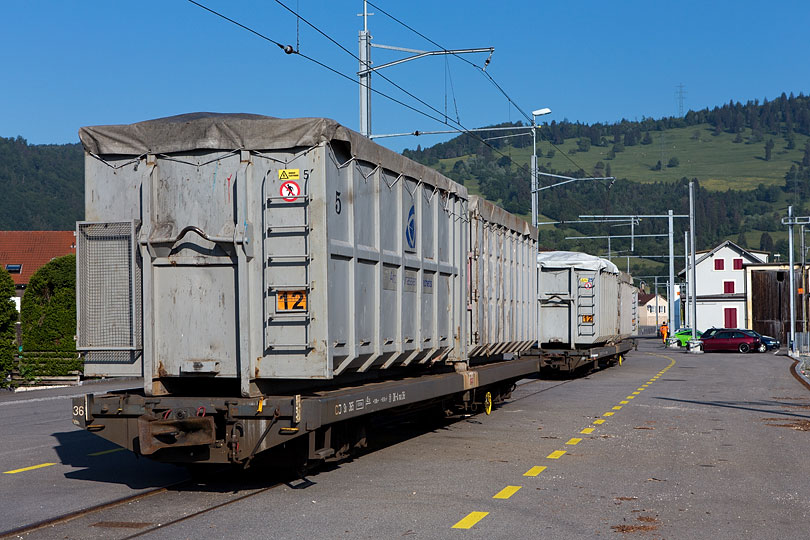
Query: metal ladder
{"points": [[290, 261], [586, 305]]}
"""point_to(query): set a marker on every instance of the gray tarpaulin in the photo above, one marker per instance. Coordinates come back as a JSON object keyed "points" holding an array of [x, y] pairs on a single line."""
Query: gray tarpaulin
{"points": [[574, 259], [219, 131]]}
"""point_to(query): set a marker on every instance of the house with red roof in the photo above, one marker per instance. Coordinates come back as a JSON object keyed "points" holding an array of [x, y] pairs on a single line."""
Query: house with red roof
{"points": [[22, 253]]}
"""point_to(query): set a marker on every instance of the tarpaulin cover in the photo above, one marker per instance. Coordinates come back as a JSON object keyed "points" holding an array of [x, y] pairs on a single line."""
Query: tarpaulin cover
{"points": [[240, 131], [574, 259]]}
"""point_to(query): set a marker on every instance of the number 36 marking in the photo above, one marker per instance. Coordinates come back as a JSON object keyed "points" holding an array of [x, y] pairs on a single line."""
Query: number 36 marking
{"points": [[78, 410]]}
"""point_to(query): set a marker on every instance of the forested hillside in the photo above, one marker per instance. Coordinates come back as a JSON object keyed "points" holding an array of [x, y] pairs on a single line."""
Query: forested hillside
{"points": [[43, 185], [750, 162]]}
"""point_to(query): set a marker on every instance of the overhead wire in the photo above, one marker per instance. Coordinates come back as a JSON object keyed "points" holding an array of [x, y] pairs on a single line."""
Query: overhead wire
{"points": [[288, 49], [483, 71]]}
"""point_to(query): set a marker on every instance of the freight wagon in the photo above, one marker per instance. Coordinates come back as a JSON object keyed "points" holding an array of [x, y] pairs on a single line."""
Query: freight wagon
{"points": [[280, 282], [587, 311]]}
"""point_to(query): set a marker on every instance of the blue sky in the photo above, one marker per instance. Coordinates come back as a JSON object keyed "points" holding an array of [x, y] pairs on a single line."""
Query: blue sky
{"points": [[70, 64]]}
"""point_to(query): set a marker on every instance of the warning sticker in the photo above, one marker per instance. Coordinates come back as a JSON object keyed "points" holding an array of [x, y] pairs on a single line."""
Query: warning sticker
{"points": [[290, 191], [289, 174]]}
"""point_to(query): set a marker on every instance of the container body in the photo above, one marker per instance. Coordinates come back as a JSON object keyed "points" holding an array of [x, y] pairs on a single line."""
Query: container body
{"points": [[579, 301], [502, 283], [274, 262]]}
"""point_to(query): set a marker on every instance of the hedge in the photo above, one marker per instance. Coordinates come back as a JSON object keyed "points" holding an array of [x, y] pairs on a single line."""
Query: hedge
{"points": [[48, 311], [8, 318]]}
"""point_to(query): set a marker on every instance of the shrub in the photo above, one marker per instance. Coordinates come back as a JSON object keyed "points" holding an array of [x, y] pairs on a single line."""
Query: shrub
{"points": [[48, 311], [8, 318]]}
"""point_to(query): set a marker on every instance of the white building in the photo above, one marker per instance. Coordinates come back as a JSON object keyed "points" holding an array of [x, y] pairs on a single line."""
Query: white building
{"points": [[720, 285], [647, 309]]}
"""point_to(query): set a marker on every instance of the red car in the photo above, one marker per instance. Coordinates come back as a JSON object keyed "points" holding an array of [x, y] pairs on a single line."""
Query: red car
{"points": [[730, 339]]}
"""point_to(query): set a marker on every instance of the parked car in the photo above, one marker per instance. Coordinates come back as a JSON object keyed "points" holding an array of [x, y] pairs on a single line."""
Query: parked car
{"points": [[685, 334], [767, 343], [730, 339]]}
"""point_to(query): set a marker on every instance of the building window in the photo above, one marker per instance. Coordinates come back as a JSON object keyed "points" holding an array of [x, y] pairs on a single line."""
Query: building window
{"points": [[719, 264], [649, 309], [728, 287], [660, 309], [738, 264], [14, 268]]}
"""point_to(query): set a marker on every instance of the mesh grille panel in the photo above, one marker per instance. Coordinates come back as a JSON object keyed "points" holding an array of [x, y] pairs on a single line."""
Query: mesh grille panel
{"points": [[105, 291]]}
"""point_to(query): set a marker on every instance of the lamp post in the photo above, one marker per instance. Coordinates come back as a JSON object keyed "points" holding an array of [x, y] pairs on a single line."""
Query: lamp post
{"points": [[535, 114]]}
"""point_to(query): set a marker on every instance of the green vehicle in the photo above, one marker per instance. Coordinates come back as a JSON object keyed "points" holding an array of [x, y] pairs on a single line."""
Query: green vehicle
{"points": [[685, 334]]}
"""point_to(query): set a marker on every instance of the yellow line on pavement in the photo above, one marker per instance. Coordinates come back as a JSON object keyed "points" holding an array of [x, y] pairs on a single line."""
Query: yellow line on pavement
{"points": [[557, 454], [574, 441], [534, 471], [599, 421], [631, 397], [506, 492], [587, 430], [617, 408], [41, 465], [470, 520], [608, 414], [625, 402], [106, 452], [636, 393], [640, 389]]}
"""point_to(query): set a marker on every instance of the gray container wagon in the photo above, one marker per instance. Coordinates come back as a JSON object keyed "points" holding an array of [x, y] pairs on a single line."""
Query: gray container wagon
{"points": [[269, 279], [587, 310]]}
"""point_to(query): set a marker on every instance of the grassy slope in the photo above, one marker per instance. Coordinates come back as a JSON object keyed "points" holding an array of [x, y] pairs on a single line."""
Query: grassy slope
{"points": [[716, 161]]}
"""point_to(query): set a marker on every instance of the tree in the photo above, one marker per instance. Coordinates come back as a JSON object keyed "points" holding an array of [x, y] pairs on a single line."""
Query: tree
{"points": [[741, 241], [657, 166], [766, 242], [647, 138], [768, 149], [583, 144], [8, 318], [48, 311], [673, 162]]}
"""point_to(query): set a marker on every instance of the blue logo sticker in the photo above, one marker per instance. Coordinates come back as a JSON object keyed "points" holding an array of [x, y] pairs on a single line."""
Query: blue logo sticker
{"points": [[410, 228]]}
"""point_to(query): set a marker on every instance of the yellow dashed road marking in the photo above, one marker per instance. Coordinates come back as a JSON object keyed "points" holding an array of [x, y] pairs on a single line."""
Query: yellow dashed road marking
{"points": [[557, 454], [587, 430], [639, 389], [534, 471], [636, 393], [617, 408], [506, 492], [631, 397], [574, 441], [624, 402], [600, 421], [41, 465], [470, 520], [608, 414], [106, 452]]}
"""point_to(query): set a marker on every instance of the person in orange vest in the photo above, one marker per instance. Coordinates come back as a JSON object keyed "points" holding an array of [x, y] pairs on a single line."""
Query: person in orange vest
{"points": [[664, 332]]}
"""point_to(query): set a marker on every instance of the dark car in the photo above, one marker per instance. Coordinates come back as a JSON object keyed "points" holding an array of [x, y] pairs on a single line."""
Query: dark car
{"points": [[729, 339], [767, 343]]}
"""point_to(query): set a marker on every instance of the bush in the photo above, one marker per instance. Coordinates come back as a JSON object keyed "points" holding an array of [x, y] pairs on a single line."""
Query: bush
{"points": [[8, 318], [673, 162], [48, 311]]}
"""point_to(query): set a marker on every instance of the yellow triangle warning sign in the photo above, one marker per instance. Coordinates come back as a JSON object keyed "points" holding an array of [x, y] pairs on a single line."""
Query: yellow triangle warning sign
{"points": [[282, 175]]}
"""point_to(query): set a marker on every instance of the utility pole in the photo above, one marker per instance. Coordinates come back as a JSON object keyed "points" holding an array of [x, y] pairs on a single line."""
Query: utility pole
{"points": [[671, 289], [365, 75], [685, 298], [792, 283], [693, 345], [366, 69]]}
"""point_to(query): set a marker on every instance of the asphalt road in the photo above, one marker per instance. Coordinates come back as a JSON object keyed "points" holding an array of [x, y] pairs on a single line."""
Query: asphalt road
{"points": [[668, 445]]}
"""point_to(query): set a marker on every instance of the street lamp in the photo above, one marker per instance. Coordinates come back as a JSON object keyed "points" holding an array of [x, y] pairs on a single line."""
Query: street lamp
{"points": [[535, 114]]}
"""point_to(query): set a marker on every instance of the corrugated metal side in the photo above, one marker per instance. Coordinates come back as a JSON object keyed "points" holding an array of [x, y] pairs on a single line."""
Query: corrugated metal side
{"points": [[577, 307], [502, 281]]}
